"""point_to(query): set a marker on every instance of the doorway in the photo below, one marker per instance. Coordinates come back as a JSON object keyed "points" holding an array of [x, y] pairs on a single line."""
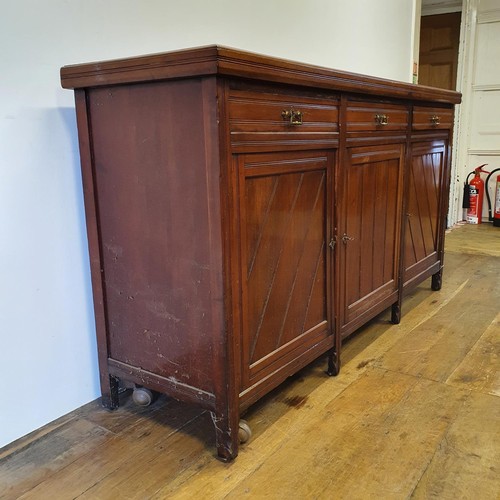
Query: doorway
{"points": [[439, 42]]}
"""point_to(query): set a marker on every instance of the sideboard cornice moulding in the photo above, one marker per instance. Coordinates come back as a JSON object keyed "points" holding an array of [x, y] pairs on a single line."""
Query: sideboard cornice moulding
{"points": [[225, 61]]}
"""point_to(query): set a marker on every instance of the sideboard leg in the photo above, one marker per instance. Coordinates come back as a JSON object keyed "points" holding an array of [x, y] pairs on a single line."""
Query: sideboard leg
{"points": [[226, 437], [333, 364], [396, 313], [109, 391], [436, 282]]}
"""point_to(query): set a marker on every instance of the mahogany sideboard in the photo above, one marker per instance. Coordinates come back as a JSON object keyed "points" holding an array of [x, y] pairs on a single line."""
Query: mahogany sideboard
{"points": [[245, 214]]}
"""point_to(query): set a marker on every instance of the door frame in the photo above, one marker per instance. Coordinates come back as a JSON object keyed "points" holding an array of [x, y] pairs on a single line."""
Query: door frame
{"points": [[465, 69]]}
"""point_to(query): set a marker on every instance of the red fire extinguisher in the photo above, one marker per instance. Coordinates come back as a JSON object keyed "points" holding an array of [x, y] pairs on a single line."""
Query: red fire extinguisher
{"points": [[495, 216], [476, 194], [496, 213]]}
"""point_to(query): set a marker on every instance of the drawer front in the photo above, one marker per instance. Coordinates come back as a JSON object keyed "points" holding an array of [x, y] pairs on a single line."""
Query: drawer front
{"points": [[432, 118], [368, 116], [265, 117]]}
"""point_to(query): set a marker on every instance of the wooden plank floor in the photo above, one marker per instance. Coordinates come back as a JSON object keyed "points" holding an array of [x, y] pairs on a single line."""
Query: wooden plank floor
{"points": [[415, 413]]}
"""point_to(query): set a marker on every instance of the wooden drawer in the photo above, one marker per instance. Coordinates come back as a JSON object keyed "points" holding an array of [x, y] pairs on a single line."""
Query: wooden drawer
{"points": [[432, 118], [259, 118], [369, 116]]}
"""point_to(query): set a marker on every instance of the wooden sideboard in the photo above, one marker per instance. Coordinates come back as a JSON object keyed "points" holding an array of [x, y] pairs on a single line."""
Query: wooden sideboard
{"points": [[245, 214]]}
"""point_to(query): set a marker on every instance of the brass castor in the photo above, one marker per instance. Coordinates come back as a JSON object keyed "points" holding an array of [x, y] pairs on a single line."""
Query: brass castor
{"points": [[244, 432], [142, 396]]}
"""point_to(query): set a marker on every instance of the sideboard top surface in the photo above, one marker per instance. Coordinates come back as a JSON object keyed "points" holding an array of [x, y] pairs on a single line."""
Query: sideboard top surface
{"points": [[224, 61]]}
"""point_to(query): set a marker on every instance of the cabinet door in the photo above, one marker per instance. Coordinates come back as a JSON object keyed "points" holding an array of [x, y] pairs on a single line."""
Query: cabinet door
{"points": [[369, 232], [285, 213], [423, 237]]}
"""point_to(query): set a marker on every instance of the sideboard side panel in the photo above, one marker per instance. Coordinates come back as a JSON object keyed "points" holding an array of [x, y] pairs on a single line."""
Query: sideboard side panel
{"points": [[159, 225]]}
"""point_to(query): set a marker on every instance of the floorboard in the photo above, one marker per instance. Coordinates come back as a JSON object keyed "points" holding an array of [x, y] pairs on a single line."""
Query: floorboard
{"points": [[414, 413]]}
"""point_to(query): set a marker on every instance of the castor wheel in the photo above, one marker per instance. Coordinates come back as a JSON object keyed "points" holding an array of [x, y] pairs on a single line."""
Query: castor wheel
{"points": [[244, 432], [142, 396]]}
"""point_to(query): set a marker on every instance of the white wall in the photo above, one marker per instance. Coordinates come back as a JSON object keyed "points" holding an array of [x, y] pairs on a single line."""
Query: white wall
{"points": [[416, 40], [48, 356]]}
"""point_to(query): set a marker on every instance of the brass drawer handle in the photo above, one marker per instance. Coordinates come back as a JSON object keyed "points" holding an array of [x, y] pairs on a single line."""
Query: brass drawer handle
{"points": [[292, 116], [435, 120], [381, 119]]}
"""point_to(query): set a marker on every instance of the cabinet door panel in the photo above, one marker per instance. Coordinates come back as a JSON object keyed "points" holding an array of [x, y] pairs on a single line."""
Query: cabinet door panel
{"points": [[423, 207], [370, 231], [285, 212]]}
